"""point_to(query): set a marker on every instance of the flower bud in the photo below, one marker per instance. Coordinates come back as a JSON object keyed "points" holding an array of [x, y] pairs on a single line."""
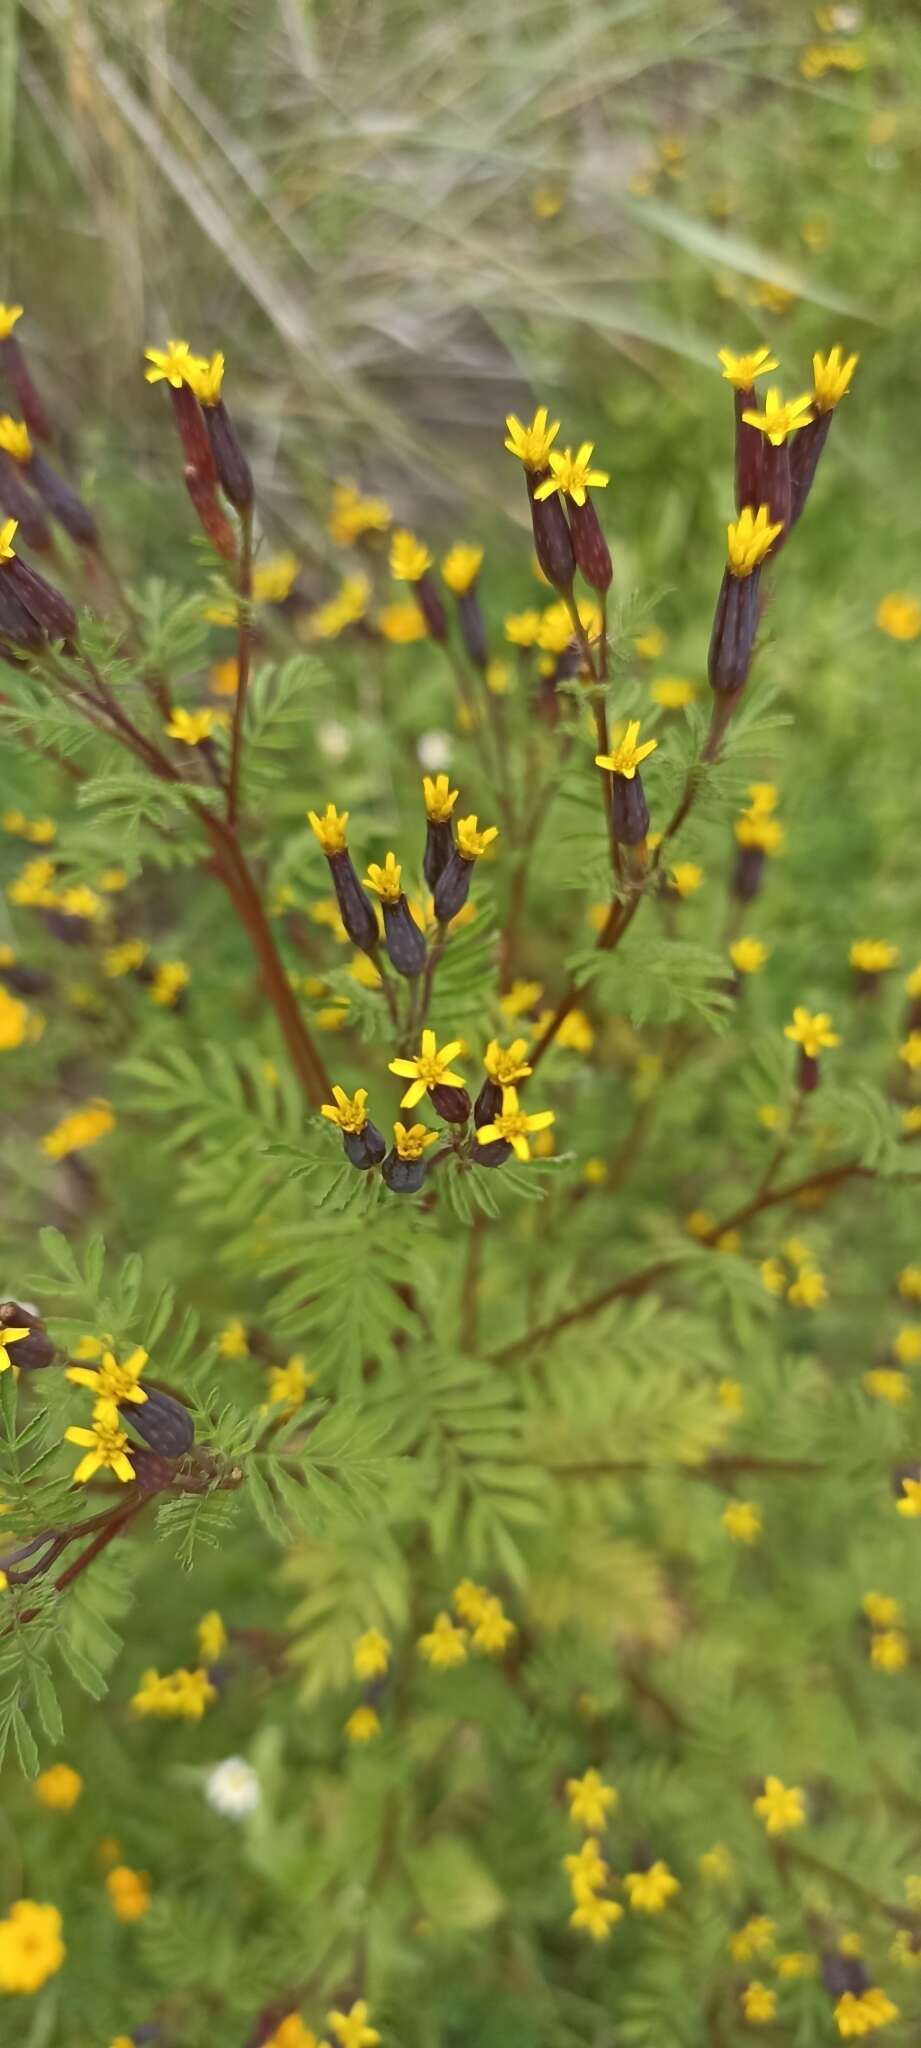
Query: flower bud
{"points": [[777, 486], [364, 1148], [495, 1153], [356, 912], [36, 1350], [403, 1176], [152, 1473], [735, 625], [552, 538], [749, 453], [843, 1973], [806, 448], [473, 628], [629, 809], [807, 1072], [749, 873], [439, 844], [453, 886], [451, 1104], [431, 606], [16, 369], [165, 1424], [47, 606], [21, 506], [593, 556], [404, 941], [63, 503], [25, 981], [193, 432], [213, 521], [233, 471], [488, 1104], [16, 623]]}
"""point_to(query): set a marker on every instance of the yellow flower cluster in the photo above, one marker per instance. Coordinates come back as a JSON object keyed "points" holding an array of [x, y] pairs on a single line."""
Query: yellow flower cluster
{"points": [[780, 1807], [18, 1024], [81, 1128], [129, 1892], [863, 2014], [352, 515], [348, 604], [31, 1948], [59, 1788], [32, 889], [180, 1695], [588, 1873]]}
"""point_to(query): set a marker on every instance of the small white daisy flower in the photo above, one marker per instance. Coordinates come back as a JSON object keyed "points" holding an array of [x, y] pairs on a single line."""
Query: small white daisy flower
{"points": [[434, 750], [232, 1788], [333, 739]]}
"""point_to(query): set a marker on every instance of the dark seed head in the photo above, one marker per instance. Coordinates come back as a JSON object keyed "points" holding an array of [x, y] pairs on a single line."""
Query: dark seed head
{"points": [[233, 471], [494, 1154], [405, 942], [163, 1423], [364, 1148], [593, 556], [732, 640], [552, 538], [453, 1105], [488, 1103], [453, 886], [34, 1351], [473, 628], [439, 840], [356, 912], [629, 809], [403, 1176]]}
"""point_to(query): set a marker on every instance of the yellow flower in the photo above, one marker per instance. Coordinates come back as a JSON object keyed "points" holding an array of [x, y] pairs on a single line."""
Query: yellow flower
{"points": [[627, 756], [15, 438], [686, 877], [673, 693], [756, 1938], [546, 202], [741, 371], [211, 1636], [531, 444], [170, 364], [811, 1032], [913, 982], [289, 1384], [898, 614], [910, 1503], [507, 1064], [470, 1601], [440, 798], [882, 1609], [15, 1021], [330, 829], [123, 959], [129, 1892], [885, 1384], [573, 474], [351, 515], [855, 2016], [445, 1645], [471, 842], [274, 580], [796, 1963], [191, 727], [759, 2003], [348, 1112], [731, 1396], [716, 1864], [429, 1069], [743, 1521], [409, 557], [520, 998], [586, 1868], [402, 623], [775, 298], [205, 377], [7, 550], [223, 677], [363, 1725], [595, 1173], [106, 1449], [58, 1788], [232, 1341], [650, 1890], [8, 318], [513, 1126], [911, 1119], [596, 1916], [808, 1290], [779, 1806], [494, 1631], [873, 956], [910, 1050], [903, 1950], [781, 418], [411, 1143], [461, 567], [910, 1283], [31, 1949], [293, 2034], [748, 955], [749, 538], [111, 1382], [180, 1695], [650, 645], [371, 1655], [386, 880], [10, 1336], [889, 1650], [906, 1345], [591, 1801], [82, 1128], [522, 628], [171, 977], [831, 376]]}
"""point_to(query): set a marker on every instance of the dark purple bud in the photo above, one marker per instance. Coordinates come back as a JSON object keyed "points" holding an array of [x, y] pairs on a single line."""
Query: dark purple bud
{"points": [[63, 503], [748, 454], [233, 471], [552, 538], [453, 886], [364, 1148], [807, 1072], [629, 809], [843, 1973], [488, 1103], [212, 519], [193, 433], [593, 556], [48, 608], [26, 981], [913, 1015], [451, 1104], [16, 623], [70, 930], [735, 625], [16, 368], [495, 1153], [163, 1423], [777, 487], [34, 1351], [749, 873], [356, 912], [431, 607], [20, 505], [403, 1176], [805, 449], [473, 628], [439, 843], [404, 941]]}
